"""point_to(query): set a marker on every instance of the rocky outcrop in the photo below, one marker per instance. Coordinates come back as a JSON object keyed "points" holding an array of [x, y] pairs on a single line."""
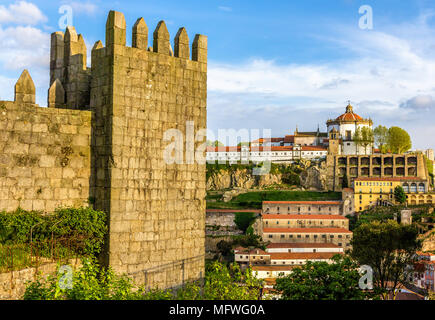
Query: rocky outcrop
{"points": [[314, 178], [241, 179]]}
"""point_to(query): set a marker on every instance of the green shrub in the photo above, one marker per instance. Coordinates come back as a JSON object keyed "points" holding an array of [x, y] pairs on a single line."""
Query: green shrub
{"points": [[73, 223]]}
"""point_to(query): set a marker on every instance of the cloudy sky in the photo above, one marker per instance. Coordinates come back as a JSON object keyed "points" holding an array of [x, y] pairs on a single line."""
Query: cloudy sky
{"points": [[273, 64]]}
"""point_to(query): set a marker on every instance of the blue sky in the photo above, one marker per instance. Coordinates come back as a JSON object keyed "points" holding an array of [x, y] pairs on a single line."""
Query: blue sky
{"points": [[272, 64]]}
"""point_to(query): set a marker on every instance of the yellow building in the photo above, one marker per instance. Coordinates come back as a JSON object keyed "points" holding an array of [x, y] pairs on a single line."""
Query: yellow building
{"points": [[371, 192]]}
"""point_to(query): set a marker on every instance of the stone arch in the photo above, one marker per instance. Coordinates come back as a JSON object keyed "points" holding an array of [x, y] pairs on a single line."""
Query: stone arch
{"points": [[365, 161], [400, 171], [388, 171], [406, 187], [413, 187], [388, 161], [400, 161], [412, 160], [412, 171], [342, 171], [421, 187], [342, 161], [353, 171], [353, 161], [365, 171], [376, 171], [376, 161]]}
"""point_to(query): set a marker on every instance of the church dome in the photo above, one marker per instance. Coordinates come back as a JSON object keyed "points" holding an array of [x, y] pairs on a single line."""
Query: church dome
{"points": [[349, 115]]}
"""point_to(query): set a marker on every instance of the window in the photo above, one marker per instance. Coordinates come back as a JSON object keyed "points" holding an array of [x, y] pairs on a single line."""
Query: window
{"points": [[270, 236], [299, 235]]}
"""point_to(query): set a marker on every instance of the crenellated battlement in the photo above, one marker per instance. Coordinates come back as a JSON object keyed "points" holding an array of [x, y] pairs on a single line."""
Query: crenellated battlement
{"points": [[68, 58], [116, 35]]}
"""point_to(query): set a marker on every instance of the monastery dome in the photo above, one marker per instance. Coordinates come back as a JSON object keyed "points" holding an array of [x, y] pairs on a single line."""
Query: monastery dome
{"points": [[349, 115]]}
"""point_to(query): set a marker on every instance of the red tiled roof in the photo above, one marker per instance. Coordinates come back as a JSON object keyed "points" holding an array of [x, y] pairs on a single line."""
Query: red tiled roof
{"points": [[303, 216], [305, 230], [303, 202], [301, 255], [314, 148], [272, 268], [265, 148], [289, 139], [348, 189], [301, 245], [349, 116]]}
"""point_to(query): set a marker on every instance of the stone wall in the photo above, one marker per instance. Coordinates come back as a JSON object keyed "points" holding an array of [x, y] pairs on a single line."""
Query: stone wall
{"points": [[45, 157], [113, 154], [156, 209], [13, 284]]}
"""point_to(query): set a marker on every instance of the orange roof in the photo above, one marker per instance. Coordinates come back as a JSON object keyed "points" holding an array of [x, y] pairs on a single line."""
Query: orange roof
{"points": [[314, 148], [303, 216], [301, 255], [348, 189], [303, 202], [265, 148], [349, 117], [252, 251], [389, 179], [302, 245], [305, 230], [271, 268]]}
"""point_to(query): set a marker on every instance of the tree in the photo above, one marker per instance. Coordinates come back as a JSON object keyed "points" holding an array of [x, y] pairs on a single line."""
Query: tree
{"points": [[399, 140], [323, 281], [215, 143], [388, 248], [399, 195], [357, 138], [366, 138], [380, 134], [244, 144]]}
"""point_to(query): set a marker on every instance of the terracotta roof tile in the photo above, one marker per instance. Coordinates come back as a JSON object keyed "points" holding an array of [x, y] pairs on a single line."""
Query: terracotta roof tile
{"points": [[303, 216], [337, 202], [306, 230]]}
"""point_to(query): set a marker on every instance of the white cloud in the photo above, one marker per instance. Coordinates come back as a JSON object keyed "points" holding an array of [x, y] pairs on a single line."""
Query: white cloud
{"points": [[21, 12], [24, 47], [418, 103], [388, 75]]}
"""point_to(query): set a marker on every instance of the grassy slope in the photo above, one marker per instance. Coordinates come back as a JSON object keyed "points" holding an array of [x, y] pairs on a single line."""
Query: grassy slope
{"points": [[255, 199]]}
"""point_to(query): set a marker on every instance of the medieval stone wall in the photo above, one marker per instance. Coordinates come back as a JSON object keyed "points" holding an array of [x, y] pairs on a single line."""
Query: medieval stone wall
{"points": [[45, 157], [113, 154], [157, 209]]}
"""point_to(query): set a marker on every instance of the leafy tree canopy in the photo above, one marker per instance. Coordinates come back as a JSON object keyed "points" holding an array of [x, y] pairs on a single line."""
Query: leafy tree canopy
{"points": [[322, 281], [399, 140], [388, 248]]}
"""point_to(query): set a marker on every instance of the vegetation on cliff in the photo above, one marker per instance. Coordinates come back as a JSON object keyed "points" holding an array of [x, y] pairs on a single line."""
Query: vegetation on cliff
{"points": [[255, 199]]}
